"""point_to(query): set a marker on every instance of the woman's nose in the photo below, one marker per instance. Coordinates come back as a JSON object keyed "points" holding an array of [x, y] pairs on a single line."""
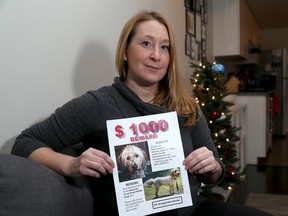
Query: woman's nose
{"points": [[155, 54]]}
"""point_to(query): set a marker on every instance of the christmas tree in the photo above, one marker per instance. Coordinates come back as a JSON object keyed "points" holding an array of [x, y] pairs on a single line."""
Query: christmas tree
{"points": [[209, 90]]}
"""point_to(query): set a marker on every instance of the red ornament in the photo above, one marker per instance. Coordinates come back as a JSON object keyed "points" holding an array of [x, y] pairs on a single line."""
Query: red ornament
{"points": [[232, 168], [226, 152]]}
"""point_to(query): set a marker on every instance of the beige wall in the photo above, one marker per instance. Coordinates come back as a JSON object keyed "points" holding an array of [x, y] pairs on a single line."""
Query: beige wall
{"points": [[53, 51], [275, 38]]}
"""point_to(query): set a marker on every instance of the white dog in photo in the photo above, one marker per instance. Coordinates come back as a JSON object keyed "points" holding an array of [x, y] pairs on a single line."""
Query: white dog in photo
{"points": [[169, 181], [131, 163]]}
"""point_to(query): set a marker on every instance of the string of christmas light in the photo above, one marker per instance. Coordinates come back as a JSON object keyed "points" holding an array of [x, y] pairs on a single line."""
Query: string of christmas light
{"points": [[209, 90]]}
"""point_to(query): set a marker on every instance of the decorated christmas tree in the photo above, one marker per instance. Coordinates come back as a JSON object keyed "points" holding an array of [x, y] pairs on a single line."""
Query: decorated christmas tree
{"points": [[209, 89]]}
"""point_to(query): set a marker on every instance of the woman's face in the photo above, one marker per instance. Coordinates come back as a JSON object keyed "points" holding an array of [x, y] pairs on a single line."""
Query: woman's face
{"points": [[148, 54]]}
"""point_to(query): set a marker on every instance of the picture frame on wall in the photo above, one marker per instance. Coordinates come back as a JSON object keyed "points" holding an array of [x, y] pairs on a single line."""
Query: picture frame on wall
{"points": [[199, 52], [204, 58], [190, 22], [202, 12], [203, 31], [193, 49], [196, 51], [197, 5], [191, 4], [198, 27], [205, 5], [203, 45], [205, 18], [188, 3], [188, 44]]}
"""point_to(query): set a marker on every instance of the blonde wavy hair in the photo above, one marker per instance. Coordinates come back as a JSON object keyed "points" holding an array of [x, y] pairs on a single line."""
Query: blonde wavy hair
{"points": [[170, 93]]}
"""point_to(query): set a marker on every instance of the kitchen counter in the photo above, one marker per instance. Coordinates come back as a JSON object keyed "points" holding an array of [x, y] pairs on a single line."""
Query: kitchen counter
{"points": [[258, 122]]}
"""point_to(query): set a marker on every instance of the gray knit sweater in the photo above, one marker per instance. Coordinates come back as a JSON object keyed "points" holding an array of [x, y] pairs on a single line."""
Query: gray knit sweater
{"points": [[83, 119]]}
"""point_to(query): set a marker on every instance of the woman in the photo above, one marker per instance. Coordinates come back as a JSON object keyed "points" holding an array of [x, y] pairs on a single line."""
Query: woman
{"points": [[148, 83]]}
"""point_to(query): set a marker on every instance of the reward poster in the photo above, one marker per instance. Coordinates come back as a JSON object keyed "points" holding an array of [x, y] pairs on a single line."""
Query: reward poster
{"points": [[149, 176]]}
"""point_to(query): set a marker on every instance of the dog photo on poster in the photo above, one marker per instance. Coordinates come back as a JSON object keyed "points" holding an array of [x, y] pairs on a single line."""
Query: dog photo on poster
{"points": [[149, 176]]}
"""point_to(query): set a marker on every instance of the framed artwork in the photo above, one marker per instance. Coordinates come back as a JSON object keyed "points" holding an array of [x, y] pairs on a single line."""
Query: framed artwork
{"points": [[202, 12], [196, 51], [188, 3], [190, 22], [203, 45], [193, 48], [199, 52], [187, 44], [203, 56], [198, 27], [203, 31], [205, 5], [205, 18], [198, 6], [191, 4]]}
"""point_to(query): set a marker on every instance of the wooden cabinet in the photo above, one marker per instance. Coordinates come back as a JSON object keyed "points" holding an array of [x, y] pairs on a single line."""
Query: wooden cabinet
{"points": [[234, 29], [258, 124]]}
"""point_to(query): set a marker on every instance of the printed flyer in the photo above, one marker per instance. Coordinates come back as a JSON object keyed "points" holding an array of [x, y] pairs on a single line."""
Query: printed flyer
{"points": [[149, 176]]}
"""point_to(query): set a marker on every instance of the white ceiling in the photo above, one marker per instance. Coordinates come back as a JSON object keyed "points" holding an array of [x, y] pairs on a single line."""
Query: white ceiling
{"points": [[270, 13]]}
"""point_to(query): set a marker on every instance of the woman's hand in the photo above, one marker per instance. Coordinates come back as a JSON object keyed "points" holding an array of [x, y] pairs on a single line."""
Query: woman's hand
{"points": [[202, 161], [92, 162]]}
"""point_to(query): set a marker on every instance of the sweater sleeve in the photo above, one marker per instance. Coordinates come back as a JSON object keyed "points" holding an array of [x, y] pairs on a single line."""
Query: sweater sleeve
{"points": [[201, 136], [66, 126]]}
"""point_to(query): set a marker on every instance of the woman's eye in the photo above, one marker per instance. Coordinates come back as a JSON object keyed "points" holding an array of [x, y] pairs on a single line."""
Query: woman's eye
{"points": [[146, 44], [165, 47]]}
